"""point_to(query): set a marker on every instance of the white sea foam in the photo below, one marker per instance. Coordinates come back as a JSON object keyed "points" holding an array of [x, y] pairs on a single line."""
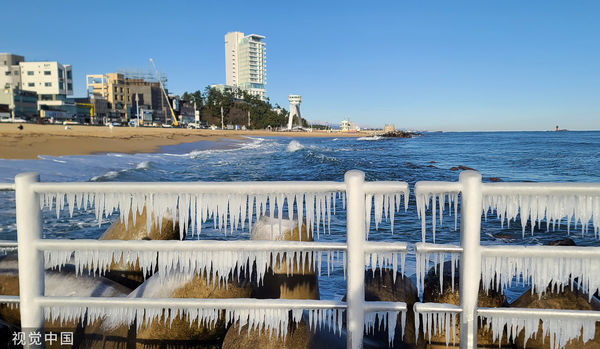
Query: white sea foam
{"points": [[294, 146], [143, 165]]}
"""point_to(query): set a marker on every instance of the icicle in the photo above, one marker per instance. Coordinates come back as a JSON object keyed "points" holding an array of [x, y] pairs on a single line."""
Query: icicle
{"points": [[425, 259], [423, 200], [383, 206], [384, 321], [499, 271], [385, 260], [228, 211], [436, 323], [580, 208], [560, 329]]}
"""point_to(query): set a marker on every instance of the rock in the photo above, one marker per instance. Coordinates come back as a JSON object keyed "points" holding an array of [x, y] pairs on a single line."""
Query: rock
{"points": [[495, 179], [63, 283], [304, 283], [110, 333], [432, 293], [298, 337], [453, 168], [562, 242], [381, 287], [567, 299], [127, 274], [465, 168]]}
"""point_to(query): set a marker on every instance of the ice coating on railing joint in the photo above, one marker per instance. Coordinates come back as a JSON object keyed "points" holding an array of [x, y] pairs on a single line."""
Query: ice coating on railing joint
{"points": [[271, 321], [229, 211], [7, 250], [386, 260], [434, 323], [576, 208], [215, 265], [438, 259], [560, 330], [437, 200], [498, 272], [384, 321], [384, 206]]}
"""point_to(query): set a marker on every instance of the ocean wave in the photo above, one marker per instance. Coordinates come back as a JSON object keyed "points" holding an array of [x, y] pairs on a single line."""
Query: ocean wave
{"points": [[107, 176], [144, 165], [294, 146]]}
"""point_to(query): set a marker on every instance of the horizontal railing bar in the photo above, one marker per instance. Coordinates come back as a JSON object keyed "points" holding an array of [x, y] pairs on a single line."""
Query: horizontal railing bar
{"points": [[386, 246], [222, 303], [9, 299], [7, 187], [384, 306], [8, 243], [540, 251], [385, 187], [542, 313], [543, 188], [437, 307], [198, 245], [190, 187], [421, 247], [423, 187]]}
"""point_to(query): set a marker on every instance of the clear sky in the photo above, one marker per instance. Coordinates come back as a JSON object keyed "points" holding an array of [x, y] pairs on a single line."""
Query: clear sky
{"points": [[435, 65]]}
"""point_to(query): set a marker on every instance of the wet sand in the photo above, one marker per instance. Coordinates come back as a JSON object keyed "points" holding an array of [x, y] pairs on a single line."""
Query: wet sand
{"points": [[55, 140]]}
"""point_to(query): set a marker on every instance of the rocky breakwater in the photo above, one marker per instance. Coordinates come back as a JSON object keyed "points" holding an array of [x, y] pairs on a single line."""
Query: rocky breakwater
{"points": [[285, 282]]}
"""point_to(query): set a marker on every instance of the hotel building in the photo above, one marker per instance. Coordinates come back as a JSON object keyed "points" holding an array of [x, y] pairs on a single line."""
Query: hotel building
{"points": [[245, 62]]}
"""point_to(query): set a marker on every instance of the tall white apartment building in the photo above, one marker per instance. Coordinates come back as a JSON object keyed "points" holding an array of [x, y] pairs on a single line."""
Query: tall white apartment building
{"points": [[51, 80], [245, 62]]}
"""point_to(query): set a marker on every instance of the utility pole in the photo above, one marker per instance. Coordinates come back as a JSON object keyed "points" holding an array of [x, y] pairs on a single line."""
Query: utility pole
{"points": [[222, 125], [137, 105], [248, 117]]}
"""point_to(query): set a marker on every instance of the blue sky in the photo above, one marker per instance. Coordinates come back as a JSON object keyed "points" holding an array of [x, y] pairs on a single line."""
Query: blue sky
{"points": [[435, 65]]}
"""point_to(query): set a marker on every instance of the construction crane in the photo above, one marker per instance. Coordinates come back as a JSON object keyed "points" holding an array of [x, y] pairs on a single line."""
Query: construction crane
{"points": [[91, 106], [175, 122]]}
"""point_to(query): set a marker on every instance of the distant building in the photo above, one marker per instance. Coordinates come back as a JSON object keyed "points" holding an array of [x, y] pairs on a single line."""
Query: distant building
{"points": [[348, 126], [389, 128], [20, 104], [227, 88], [10, 72], [245, 62], [52, 81], [295, 101], [126, 92]]}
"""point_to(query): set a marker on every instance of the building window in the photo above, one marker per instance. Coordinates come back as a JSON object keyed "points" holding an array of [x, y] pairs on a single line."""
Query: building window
{"points": [[60, 73], [47, 72], [31, 84], [61, 85], [16, 72], [69, 86], [30, 72], [48, 84], [69, 74], [7, 73]]}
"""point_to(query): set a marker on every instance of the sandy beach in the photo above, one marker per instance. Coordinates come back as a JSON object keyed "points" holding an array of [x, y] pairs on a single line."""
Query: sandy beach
{"points": [[55, 140]]}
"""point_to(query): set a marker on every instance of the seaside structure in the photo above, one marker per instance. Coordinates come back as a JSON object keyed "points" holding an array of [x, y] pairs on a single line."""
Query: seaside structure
{"points": [[127, 93], [52, 81], [348, 126], [295, 101], [245, 62], [389, 128], [13, 99]]}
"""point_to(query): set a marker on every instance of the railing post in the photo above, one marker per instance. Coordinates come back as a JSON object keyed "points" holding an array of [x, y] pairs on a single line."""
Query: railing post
{"points": [[31, 261], [470, 264], [355, 239]]}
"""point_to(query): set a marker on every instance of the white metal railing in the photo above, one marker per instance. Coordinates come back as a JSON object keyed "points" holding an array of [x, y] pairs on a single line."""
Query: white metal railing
{"points": [[32, 248], [575, 200], [499, 265]]}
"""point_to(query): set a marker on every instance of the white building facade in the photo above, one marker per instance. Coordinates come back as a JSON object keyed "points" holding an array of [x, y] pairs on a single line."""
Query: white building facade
{"points": [[52, 81], [245, 62]]}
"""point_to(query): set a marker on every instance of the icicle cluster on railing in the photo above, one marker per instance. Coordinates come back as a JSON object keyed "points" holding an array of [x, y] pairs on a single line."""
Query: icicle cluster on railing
{"points": [[560, 330], [7, 249], [438, 259], [439, 199], [436, 322], [386, 321], [229, 211], [216, 264], [384, 205], [272, 321], [385, 260], [577, 209], [499, 271]]}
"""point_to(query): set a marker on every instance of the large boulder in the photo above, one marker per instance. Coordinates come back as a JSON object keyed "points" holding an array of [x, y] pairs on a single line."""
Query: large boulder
{"points": [[112, 333], [128, 274], [63, 283], [432, 293], [567, 299], [281, 280]]}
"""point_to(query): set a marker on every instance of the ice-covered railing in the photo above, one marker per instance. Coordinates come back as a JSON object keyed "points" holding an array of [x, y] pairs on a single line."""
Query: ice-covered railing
{"points": [[498, 266], [7, 247], [436, 319], [231, 206]]}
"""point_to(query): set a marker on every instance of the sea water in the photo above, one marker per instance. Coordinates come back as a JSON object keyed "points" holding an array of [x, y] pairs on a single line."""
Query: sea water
{"points": [[508, 156]]}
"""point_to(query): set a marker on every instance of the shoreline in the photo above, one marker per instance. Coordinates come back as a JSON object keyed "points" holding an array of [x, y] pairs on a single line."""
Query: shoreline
{"points": [[54, 140]]}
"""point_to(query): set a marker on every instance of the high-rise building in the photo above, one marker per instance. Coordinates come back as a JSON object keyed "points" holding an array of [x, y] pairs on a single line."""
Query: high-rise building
{"points": [[245, 62], [52, 81]]}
